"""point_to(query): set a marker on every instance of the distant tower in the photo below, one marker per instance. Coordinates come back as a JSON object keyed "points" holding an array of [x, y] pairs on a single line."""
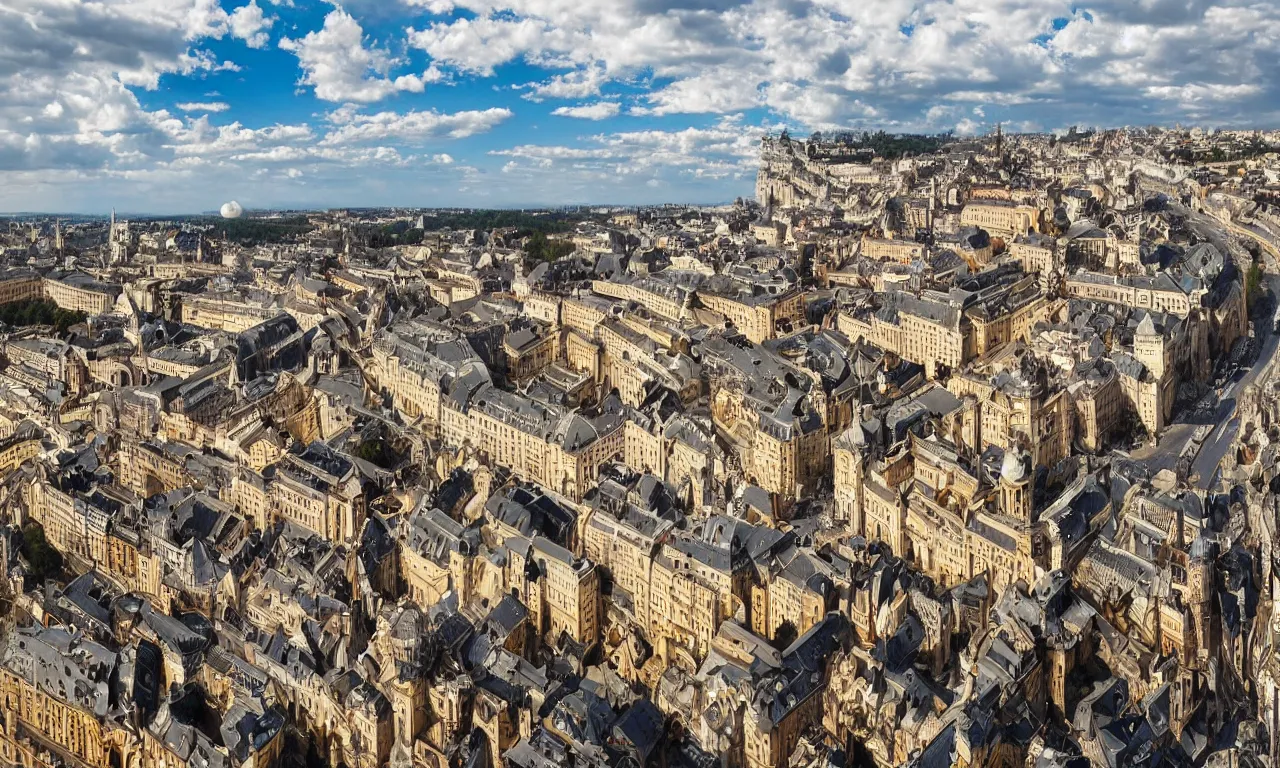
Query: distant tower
{"points": [[118, 239], [111, 234], [57, 235], [999, 140], [933, 202], [520, 285]]}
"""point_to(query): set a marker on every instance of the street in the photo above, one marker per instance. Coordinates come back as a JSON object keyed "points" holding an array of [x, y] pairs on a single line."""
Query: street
{"points": [[1172, 444]]}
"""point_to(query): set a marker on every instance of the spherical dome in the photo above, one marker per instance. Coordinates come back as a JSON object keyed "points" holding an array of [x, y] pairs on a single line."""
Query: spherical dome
{"points": [[1013, 469], [232, 210]]}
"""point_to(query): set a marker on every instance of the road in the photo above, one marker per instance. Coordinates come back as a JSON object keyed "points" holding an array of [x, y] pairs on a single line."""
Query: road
{"points": [[1223, 436], [1225, 425]]}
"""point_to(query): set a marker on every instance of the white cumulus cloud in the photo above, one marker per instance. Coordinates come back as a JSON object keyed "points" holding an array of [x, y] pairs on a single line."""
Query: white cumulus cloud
{"points": [[250, 24], [828, 63], [413, 126], [203, 106], [479, 45], [600, 110], [336, 62], [86, 104]]}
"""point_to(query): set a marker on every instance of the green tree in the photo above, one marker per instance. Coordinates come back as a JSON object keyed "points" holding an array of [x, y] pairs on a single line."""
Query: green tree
{"points": [[536, 245], [252, 231], [785, 635], [46, 562], [39, 312], [379, 453], [486, 220], [1253, 281], [540, 248]]}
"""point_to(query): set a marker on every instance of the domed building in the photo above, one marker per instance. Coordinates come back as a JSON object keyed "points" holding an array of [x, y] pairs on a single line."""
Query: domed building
{"points": [[1015, 485]]}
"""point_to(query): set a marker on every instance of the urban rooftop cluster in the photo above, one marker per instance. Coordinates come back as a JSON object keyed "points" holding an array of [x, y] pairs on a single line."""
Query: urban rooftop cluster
{"points": [[938, 453]]}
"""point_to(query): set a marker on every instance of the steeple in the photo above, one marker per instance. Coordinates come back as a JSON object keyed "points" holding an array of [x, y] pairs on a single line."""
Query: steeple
{"points": [[933, 198]]}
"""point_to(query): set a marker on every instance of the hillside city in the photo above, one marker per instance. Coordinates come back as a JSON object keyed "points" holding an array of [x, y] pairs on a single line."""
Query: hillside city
{"points": [[938, 452]]}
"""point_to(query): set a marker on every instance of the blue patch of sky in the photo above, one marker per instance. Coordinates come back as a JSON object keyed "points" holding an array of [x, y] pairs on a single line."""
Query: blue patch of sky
{"points": [[267, 88], [267, 91], [1058, 25]]}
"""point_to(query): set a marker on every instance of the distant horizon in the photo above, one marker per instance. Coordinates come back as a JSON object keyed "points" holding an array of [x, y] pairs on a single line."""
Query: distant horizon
{"points": [[214, 213]]}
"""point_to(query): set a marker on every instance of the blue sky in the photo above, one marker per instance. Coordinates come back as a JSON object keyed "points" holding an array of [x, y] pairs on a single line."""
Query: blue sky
{"points": [[172, 106]]}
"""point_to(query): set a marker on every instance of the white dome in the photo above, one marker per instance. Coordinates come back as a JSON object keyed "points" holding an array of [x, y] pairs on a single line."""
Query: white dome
{"points": [[1013, 468], [232, 210]]}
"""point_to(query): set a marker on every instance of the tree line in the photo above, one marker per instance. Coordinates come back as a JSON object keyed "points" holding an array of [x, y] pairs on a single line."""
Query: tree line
{"points": [[39, 312], [890, 146]]}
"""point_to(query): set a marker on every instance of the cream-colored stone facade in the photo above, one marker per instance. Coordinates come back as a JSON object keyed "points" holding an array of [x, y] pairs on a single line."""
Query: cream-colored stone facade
{"points": [[1158, 296], [934, 341], [232, 315], [897, 251], [758, 319], [1001, 220]]}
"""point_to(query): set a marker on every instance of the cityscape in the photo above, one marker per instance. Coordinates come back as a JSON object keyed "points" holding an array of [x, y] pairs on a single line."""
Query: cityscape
{"points": [[641, 384], [933, 451]]}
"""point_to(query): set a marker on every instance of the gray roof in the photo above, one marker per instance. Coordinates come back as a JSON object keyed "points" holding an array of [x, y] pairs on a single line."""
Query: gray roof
{"points": [[63, 664]]}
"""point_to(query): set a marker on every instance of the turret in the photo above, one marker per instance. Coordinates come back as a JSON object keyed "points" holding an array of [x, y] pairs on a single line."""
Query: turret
{"points": [[1015, 486]]}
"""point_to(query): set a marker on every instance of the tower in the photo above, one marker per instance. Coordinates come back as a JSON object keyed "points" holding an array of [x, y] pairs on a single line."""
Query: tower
{"points": [[933, 202], [1199, 593], [409, 705], [520, 285], [849, 480], [855, 513], [57, 235], [1015, 486], [118, 239], [1148, 347]]}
